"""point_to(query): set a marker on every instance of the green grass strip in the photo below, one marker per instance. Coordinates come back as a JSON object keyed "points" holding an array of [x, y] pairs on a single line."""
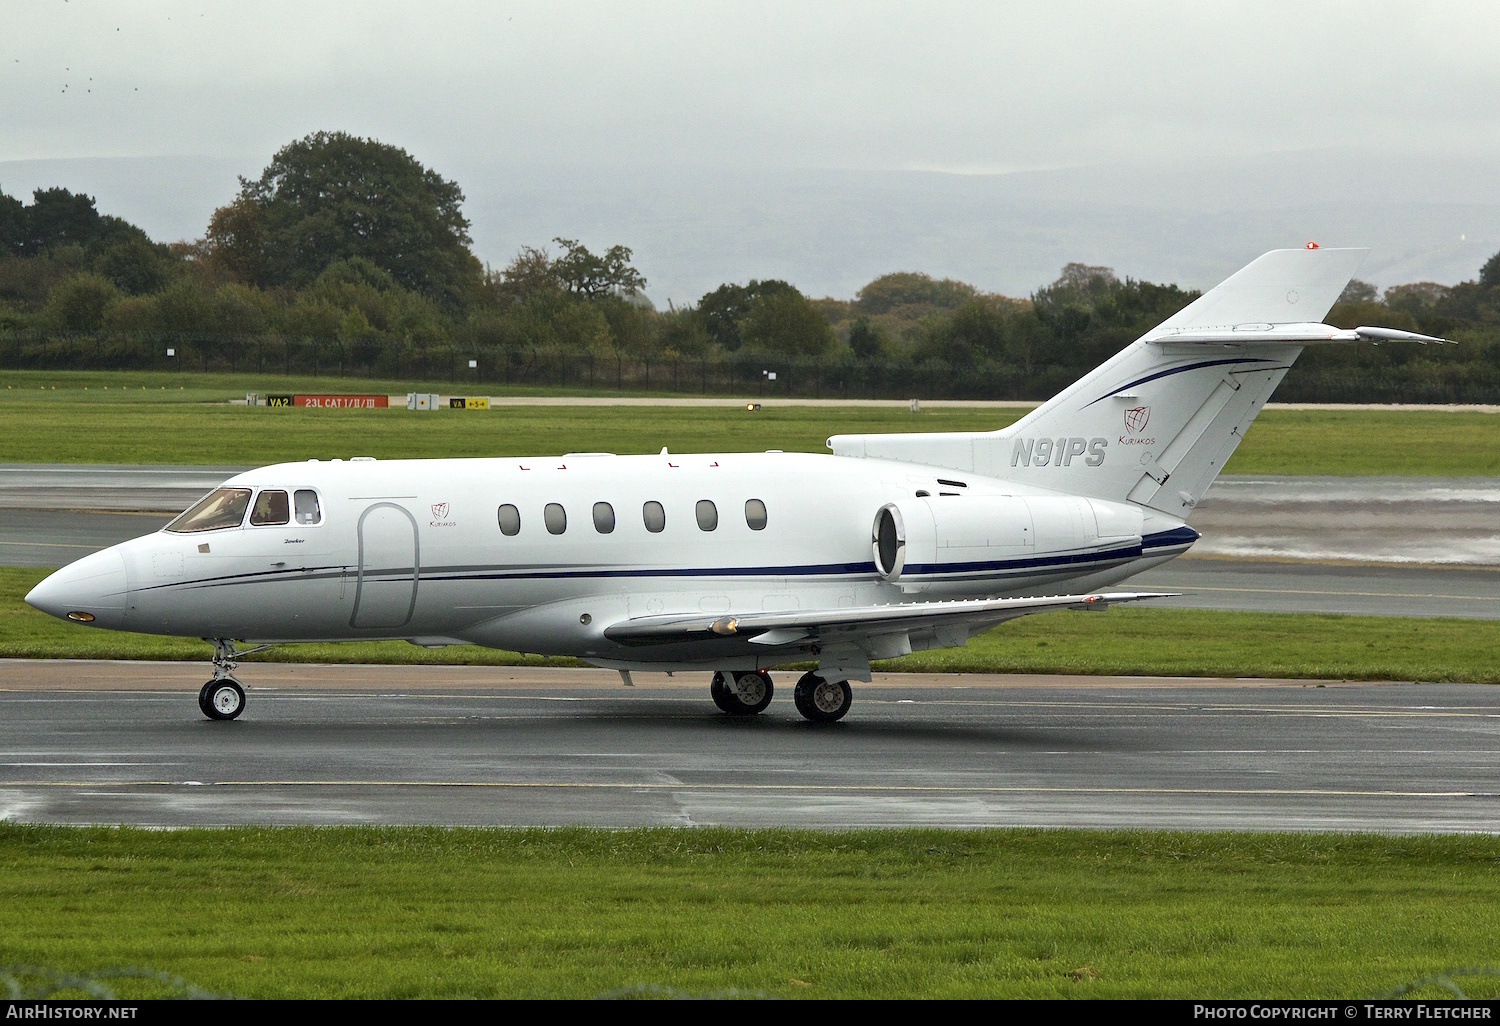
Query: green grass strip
{"points": [[419, 912], [69, 417], [1121, 640]]}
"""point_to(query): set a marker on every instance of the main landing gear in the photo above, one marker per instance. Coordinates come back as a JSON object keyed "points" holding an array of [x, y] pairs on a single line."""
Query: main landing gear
{"points": [[743, 693], [822, 701], [746, 693], [223, 697]]}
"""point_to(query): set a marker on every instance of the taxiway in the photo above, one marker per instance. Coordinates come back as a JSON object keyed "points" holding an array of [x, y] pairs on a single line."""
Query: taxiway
{"points": [[105, 742]]}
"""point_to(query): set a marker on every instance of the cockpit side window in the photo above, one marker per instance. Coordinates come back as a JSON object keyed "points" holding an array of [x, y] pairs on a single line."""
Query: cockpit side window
{"points": [[305, 506], [222, 508], [271, 508]]}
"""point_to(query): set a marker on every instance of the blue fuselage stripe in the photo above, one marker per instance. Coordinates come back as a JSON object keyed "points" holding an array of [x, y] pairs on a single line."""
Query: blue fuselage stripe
{"points": [[1178, 538]]}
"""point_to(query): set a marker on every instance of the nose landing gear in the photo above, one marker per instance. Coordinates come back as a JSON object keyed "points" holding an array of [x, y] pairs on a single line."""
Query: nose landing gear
{"points": [[743, 694], [223, 697]]}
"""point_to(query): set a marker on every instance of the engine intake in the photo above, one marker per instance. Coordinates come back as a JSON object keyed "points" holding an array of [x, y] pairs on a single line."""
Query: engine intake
{"points": [[888, 541]]}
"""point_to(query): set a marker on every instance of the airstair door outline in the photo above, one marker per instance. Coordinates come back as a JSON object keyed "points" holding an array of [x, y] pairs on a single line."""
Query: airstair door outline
{"points": [[390, 566]]}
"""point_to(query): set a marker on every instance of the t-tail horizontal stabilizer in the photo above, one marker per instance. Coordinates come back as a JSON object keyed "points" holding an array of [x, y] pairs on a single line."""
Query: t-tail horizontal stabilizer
{"points": [[1160, 418], [1286, 334]]}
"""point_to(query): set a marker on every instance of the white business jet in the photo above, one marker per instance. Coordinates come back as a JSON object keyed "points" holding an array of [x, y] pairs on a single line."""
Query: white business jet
{"points": [[735, 563]]}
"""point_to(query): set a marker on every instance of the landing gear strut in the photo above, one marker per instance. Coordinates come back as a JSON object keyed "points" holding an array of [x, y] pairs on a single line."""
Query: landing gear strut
{"points": [[822, 701], [223, 697], [743, 694]]}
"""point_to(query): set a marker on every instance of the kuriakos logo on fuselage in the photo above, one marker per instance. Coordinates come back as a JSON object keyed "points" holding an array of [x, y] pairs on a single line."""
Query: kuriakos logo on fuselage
{"points": [[1059, 452], [440, 516]]}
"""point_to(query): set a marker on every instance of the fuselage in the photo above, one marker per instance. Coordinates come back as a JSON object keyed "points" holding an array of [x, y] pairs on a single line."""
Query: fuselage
{"points": [[541, 554]]}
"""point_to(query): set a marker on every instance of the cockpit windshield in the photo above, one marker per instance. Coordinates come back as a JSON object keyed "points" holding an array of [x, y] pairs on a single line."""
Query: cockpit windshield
{"points": [[223, 508]]}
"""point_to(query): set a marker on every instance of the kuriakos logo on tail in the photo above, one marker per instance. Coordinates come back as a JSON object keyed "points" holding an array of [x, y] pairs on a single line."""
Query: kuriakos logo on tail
{"points": [[1136, 419], [1058, 452]]}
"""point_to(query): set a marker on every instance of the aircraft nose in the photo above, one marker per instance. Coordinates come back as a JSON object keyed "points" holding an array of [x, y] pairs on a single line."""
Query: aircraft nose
{"points": [[91, 590]]}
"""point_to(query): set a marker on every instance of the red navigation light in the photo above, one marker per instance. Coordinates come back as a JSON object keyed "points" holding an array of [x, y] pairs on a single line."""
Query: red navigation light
{"points": [[1312, 245]]}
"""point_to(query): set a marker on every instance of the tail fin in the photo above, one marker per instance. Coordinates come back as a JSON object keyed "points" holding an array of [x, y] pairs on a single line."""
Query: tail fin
{"points": [[1155, 424]]}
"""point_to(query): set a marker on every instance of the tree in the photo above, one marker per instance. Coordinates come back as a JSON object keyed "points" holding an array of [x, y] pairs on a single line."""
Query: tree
{"points": [[236, 241], [722, 310], [1489, 274], [785, 322], [12, 225], [58, 217], [682, 332], [332, 196], [976, 333], [725, 308], [1416, 297], [529, 276], [1358, 292], [134, 264], [78, 303], [864, 339], [584, 274], [904, 288]]}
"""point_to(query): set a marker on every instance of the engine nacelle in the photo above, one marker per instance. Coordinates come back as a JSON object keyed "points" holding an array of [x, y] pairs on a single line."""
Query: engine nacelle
{"points": [[922, 541]]}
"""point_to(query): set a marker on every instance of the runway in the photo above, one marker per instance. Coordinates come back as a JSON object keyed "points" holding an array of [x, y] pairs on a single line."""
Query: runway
{"points": [[102, 486], [102, 742], [1368, 589]]}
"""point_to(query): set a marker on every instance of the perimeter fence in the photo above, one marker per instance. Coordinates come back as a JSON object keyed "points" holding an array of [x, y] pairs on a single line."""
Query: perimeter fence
{"points": [[1440, 380]]}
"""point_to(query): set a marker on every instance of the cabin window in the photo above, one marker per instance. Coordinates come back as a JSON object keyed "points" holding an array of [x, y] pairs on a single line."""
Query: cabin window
{"points": [[510, 520], [555, 517], [755, 514], [604, 518], [222, 508], [708, 515], [305, 506], [654, 516]]}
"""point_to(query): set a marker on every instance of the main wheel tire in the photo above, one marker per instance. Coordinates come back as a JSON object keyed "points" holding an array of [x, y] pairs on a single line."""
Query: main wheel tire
{"points": [[752, 692], [221, 699], [822, 701], [718, 690]]}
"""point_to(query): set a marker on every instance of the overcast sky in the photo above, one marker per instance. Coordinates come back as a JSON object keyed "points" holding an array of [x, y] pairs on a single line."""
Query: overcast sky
{"points": [[553, 87]]}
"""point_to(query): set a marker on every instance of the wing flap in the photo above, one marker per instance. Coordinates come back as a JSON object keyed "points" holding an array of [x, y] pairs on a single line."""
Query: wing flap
{"points": [[786, 627]]}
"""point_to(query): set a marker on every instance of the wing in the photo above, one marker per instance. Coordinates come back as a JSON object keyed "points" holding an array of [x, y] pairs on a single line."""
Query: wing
{"points": [[789, 627]]}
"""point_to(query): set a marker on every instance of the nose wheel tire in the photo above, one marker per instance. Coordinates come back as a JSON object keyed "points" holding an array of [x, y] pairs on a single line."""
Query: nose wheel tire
{"points": [[222, 699], [822, 701], [743, 694]]}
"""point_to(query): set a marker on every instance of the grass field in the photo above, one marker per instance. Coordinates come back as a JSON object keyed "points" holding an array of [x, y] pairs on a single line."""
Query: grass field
{"points": [[1122, 640], [72, 418], [412, 912]]}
